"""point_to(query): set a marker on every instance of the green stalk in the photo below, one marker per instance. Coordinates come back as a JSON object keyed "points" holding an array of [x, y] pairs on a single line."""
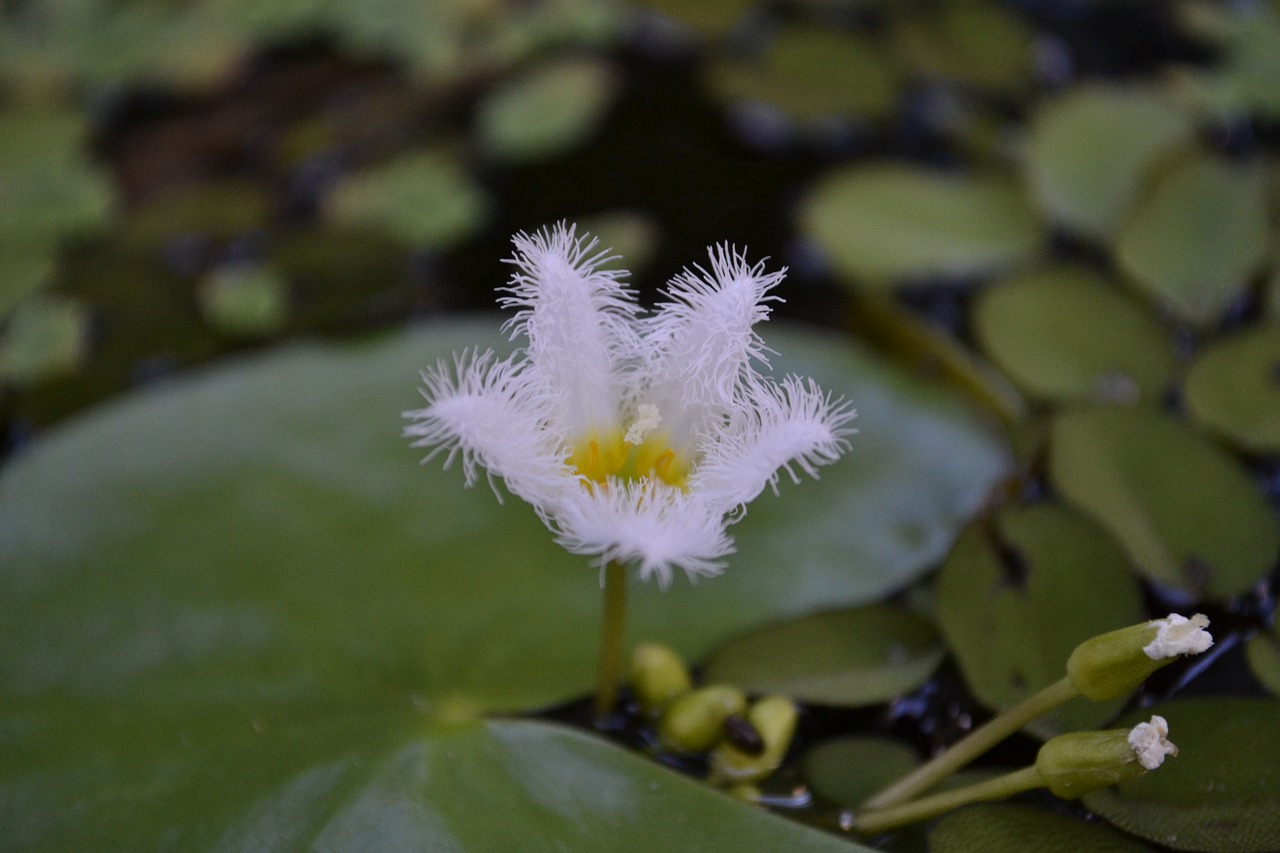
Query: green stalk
{"points": [[975, 744], [1002, 787], [612, 628]]}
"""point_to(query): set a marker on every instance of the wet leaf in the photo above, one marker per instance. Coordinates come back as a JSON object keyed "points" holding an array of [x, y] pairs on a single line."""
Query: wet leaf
{"points": [[265, 531], [1004, 828], [1186, 512], [846, 771], [885, 223], [1067, 335], [43, 337], [1014, 601], [982, 44], [853, 657], [1197, 239], [1092, 149], [1221, 793], [421, 198], [545, 112], [1233, 388], [351, 777], [245, 300], [810, 73]]}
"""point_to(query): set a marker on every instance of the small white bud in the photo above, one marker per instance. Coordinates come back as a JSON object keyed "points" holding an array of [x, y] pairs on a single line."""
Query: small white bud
{"points": [[1150, 741], [1178, 635]]}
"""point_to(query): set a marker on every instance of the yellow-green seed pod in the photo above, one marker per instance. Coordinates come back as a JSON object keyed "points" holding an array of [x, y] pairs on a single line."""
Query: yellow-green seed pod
{"points": [[695, 721], [1111, 665], [775, 718], [658, 677]]}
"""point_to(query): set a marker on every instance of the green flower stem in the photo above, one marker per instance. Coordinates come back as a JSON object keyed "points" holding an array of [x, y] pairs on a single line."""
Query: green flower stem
{"points": [[975, 744], [612, 627], [880, 820]]}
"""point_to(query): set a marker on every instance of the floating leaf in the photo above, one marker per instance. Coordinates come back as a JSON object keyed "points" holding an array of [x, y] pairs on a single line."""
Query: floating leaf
{"points": [[851, 657], [245, 300], [340, 777], [1195, 241], [1003, 828], [1186, 512], [631, 236], [810, 73], [1242, 79], [43, 337], [422, 198], [1065, 335], [1221, 794], [848, 771], [549, 110], [1234, 388], [1092, 149], [982, 44], [1014, 601], [1263, 653], [22, 273], [265, 532], [884, 223], [708, 18]]}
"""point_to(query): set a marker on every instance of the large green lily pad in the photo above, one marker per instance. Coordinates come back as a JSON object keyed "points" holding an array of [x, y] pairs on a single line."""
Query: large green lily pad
{"points": [[255, 550], [1221, 793], [1017, 595], [264, 531], [350, 778], [1004, 828], [1187, 513], [885, 223]]}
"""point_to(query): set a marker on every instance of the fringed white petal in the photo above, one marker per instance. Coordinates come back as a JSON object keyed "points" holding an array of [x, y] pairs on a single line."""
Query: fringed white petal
{"points": [[657, 526], [700, 344], [479, 409], [578, 320], [784, 427]]}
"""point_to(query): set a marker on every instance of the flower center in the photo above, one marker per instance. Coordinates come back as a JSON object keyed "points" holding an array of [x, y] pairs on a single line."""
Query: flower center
{"points": [[642, 452]]}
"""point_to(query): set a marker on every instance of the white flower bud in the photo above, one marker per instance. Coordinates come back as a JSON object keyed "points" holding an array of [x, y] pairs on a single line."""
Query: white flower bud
{"points": [[1178, 635], [1150, 741]]}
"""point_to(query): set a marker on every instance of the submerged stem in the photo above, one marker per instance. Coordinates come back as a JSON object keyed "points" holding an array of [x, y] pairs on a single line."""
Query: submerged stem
{"points": [[613, 623], [1002, 787], [975, 744]]}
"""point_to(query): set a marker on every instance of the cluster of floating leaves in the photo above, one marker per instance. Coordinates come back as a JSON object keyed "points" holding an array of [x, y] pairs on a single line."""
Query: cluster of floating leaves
{"points": [[1110, 244]]}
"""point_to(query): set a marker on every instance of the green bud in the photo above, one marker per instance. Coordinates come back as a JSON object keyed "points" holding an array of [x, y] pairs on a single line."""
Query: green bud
{"points": [[1111, 665], [695, 721], [1072, 765], [658, 676], [774, 717]]}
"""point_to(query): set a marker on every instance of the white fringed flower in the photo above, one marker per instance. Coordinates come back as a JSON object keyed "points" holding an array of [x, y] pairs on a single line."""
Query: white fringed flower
{"points": [[636, 438]]}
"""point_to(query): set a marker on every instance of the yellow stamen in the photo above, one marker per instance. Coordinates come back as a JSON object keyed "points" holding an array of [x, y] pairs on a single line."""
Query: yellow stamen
{"points": [[599, 457]]}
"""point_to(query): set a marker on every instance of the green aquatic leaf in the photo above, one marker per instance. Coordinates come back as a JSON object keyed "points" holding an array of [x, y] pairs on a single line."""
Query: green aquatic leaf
{"points": [[1263, 654], [846, 771], [1220, 794], [1187, 513], [1242, 79], [44, 337], [255, 776], [1092, 149], [1066, 335], [546, 111], [1005, 828], [809, 73], [245, 300], [1016, 598], [1233, 388], [265, 531], [978, 43], [1194, 243], [421, 198], [884, 223], [854, 657]]}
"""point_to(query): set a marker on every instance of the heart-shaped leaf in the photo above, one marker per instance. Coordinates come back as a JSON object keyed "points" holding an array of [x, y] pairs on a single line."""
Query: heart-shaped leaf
{"points": [[1016, 598], [1186, 512]]}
